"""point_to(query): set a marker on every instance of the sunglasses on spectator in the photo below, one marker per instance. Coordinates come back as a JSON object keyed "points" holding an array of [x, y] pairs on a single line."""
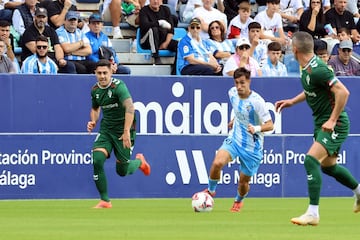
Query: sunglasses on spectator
{"points": [[193, 27], [41, 47], [346, 50], [214, 27], [315, 2], [244, 47]]}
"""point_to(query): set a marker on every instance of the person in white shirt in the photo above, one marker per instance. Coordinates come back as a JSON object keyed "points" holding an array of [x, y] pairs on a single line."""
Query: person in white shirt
{"points": [[271, 22], [238, 26], [207, 13]]}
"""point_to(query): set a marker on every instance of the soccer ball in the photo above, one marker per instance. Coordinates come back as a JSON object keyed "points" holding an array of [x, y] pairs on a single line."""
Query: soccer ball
{"points": [[202, 202]]}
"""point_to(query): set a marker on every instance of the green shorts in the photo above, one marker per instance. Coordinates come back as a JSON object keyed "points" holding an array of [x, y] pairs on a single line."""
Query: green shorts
{"points": [[332, 141], [109, 140]]}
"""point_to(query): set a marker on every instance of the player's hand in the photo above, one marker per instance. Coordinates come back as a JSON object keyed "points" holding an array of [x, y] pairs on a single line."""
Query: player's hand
{"points": [[328, 126], [90, 126], [125, 137], [251, 128], [279, 105]]}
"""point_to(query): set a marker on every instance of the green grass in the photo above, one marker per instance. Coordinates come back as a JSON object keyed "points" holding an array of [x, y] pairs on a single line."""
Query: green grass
{"points": [[146, 219]]}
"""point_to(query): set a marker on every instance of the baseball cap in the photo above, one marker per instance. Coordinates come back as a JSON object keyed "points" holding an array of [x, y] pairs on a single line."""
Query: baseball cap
{"points": [[243, 41], [195, 21], [346, 44], [71, 15], [41, 12], [95, 18]]}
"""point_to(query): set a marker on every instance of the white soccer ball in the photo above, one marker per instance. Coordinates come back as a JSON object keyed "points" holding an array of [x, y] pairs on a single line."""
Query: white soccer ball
{"points": [[202, 202]]}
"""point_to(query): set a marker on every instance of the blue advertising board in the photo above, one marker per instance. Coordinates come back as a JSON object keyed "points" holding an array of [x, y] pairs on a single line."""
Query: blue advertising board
{"points": [[181, 122]]}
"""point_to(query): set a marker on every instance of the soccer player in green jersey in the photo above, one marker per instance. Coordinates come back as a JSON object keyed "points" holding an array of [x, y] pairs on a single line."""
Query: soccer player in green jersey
{"points": [[327, 98], [117, 129]]}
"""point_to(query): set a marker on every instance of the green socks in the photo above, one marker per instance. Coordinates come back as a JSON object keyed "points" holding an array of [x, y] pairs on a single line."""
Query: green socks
{"points": [[314, 179], [342, 175], [127, 168], [99, 174]]}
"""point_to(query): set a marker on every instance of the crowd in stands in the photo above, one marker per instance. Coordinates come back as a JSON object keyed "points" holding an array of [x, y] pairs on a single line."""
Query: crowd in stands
{"points": [[222, 35]]}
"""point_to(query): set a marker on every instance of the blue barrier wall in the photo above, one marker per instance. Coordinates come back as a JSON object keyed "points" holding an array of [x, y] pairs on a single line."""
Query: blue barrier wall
{"points": [[45, 149]]}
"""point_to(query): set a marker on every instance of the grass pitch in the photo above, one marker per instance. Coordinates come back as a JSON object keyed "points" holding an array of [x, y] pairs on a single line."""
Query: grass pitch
{"points": [[147, 219]]}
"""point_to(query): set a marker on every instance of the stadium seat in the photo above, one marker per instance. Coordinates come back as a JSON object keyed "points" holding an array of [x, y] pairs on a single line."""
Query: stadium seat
{"points": [[178, 34], [292, 66]]}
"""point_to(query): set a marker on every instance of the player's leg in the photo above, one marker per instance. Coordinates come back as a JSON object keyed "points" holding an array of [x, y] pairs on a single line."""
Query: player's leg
{"points": [[222, 157], [250, 162], [124, 165], [315, 155], [343, 176], [99, 157]]}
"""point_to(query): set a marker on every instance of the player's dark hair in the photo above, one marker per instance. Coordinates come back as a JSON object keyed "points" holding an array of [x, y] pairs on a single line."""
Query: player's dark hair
{"points": [[303, 42], [345, 30], [254, 25], [242, 72], [274, 46], [103, 63]]}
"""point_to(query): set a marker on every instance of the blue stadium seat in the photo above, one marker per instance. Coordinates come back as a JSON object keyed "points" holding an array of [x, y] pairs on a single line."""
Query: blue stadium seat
{"points": [[292, 66], [178, 34]]}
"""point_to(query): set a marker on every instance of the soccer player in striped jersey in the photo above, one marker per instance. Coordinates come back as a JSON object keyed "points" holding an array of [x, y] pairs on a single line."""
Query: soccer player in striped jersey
{"points": [[246, 139]]}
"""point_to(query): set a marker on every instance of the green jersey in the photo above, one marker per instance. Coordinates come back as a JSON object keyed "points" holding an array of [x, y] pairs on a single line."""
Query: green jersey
{"points": [[111, 99], [317, 79]]}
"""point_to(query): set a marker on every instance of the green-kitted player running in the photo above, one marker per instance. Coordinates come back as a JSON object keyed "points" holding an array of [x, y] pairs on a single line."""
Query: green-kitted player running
{"points": [[327, 98], [117, 129]]}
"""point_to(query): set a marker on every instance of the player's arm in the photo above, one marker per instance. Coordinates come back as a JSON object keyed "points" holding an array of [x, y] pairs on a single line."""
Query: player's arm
{"points": [[279, 105], [94, 117], [341, 94], [129, 119], [266, 126]]}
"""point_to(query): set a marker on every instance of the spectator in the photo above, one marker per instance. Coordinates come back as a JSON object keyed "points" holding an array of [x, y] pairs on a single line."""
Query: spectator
{"points": [[238, 26], [343, 64], [9, 42], [220, 47], [326, 5], [320, 49], [242, 58], [352, 7], [291, 11], [157, 29], [131, 9], [112, 13], [23, 16], [273, 67], [339, 17], [207, 13], [55, 51], [6, 65], [271, 23], [189, 10], [97, 39], [39, 62], [313, 20], [258, 48], [344, 34], [57, 11], [75, 44], [193, 57], [7, 7]]}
